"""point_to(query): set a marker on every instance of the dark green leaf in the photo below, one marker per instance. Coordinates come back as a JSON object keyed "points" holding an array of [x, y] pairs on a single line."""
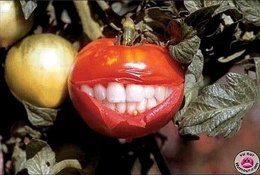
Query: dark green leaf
{"points": [[193, 83], [250, 9], [220, 108], [196, 65], [28, 7], [40, 116], [185, 50]]}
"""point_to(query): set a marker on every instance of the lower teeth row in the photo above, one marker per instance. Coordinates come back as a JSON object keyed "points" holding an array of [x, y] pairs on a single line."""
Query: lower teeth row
{"points": [[131, 98]]}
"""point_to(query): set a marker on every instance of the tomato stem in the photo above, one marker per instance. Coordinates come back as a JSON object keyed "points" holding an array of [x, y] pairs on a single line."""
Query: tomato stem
{"points": [[128, 31]]}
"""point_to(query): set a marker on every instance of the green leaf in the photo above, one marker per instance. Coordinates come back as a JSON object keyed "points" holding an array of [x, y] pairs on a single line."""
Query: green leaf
{"points": [[193, 83], [192, 6], [185, 50], [196, 65], [250, 9], [220, 107], [28, 6], [40, 116]]}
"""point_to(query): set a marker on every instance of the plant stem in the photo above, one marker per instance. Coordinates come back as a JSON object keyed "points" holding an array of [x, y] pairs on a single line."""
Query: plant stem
{"points": [[158, 157], [90, 27]]}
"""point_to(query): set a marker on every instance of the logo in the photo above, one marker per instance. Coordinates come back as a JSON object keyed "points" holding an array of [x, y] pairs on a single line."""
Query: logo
{"points": [[247, 162]]}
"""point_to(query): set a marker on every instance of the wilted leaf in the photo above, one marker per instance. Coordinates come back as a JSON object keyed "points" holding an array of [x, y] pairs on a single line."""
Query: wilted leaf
{"points": [[200, 18], [174, 31], [192, 6], [158, 15], [19, 158], [41, 159], [123, 7], [250, 10], [28, 7], [228, 7], [34, 147], [42, 162], [185, 50], [193, 83], [220, 108], [68, 163], [40, 116], [208, 3]]}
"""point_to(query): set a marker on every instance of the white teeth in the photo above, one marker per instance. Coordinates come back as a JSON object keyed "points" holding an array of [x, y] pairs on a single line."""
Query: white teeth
{"points": [[134, 93], [132, 99], [148, 91], [100, 92], [151, 102], [121, 107], [110, 105], [141, 106], [116, 93], [168, 92], [160, 92], [131, 108], [88, 90]]}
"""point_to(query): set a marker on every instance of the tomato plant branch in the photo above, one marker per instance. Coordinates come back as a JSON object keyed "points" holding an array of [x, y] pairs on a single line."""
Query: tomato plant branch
{"points": [[155, 150], [90, 27]]}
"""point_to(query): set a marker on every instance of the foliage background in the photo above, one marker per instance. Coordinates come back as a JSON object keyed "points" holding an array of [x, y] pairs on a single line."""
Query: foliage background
{"points": [[227, 34]]}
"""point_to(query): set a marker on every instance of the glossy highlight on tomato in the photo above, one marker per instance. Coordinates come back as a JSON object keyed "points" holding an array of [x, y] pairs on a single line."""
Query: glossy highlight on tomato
{"points": [[125, 91]]}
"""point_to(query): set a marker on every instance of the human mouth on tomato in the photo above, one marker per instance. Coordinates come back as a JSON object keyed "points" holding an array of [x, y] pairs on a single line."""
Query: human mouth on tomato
{"points": [[131, 99]]}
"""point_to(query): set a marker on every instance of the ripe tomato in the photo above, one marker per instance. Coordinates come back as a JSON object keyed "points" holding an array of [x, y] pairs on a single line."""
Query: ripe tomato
{"points": [[125, 91], [13, 26], [37, 69]]}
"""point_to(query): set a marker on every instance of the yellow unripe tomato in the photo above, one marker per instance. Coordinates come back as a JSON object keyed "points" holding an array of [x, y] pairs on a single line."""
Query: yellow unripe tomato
{"points": [[37, 68], [13, 25]]}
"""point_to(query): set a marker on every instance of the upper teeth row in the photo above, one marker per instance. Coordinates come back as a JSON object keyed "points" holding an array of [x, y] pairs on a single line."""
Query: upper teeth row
{"points": [[132, 93]]}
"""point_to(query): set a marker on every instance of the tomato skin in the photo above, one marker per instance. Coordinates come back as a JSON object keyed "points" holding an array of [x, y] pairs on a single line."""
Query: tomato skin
{"points": [[102, 61]]}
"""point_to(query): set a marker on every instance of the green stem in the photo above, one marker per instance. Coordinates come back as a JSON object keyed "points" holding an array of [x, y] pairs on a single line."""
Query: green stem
{"points": [[128, 31]]}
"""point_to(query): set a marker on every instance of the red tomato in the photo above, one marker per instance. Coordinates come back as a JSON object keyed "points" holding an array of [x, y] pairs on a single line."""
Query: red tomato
{"points": [[125, 73]]}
